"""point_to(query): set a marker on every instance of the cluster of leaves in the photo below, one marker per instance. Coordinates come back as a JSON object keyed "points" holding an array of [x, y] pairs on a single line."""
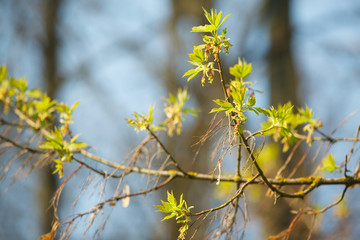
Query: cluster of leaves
{"points": [[53, 119], [241, 98], [33, 105], [64, 148], [142, 121], [284, 123], [213, 45], [180, 211], [174, 110]]}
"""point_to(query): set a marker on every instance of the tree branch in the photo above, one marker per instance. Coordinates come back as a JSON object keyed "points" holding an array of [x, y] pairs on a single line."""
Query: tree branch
{"points": [[166, 151], [239, 192]]}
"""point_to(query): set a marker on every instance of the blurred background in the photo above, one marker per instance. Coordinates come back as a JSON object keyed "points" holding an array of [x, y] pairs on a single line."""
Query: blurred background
{"points": [[119, 56]]}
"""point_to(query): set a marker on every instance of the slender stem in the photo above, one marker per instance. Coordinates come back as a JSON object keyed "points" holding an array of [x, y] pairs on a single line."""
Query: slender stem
{"points": [[247, 147], [221, 76], [353, 144], [166, 151], [303, 137], [213, 178], [239, 192], [253, 158], [200, 176], [4, 122], [238, 166], [315, 212], [348, 181], [33, 150], [327, 139], [260, 132], [313, 185], [111, 200], [258, 168]]}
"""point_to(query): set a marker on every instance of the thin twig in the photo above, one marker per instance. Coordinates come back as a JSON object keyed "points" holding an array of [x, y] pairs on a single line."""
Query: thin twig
{"points": [[239, 192], [214, 178], [100, 205], [15, 144], [329, 206], [176, 164], [221, 75], [265, 179]]}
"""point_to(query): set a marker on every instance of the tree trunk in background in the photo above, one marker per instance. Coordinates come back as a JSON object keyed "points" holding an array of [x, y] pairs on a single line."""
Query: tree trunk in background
{"points": [[50, 46], [50, 10], [284, 78], [284, 81], [193, 191]]}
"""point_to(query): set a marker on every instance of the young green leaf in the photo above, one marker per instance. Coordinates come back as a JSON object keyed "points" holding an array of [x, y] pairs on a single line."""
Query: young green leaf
{"points": [[74, 106], [241, 70], [223, 22], [174, 111], [251, 101], [223, 103], [180, 211], [328, 163], [205, 28], [34, 93], [225, 106], [192, 72], [197, 56], [3, 74]]}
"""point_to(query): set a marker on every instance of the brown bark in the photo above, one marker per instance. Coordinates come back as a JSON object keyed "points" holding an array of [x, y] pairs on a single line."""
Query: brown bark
{"points": [[281, 67], [50, 44], [193, 191], [284, 81]]}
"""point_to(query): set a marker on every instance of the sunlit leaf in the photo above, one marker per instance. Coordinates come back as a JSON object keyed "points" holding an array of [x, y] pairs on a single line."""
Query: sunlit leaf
{"points": [[34, 93], [224, 21], [223, 103], [205, 28], [251, 101], [241, 70], [3, 73], [328, 163]]}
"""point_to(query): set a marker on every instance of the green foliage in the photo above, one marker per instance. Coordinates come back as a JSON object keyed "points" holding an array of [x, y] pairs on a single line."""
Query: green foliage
{"points": [[180, 211], [174, 110], [328, 163], [305, 116], [213, 45], [35, 106], [3, 74], [241, 70], [52, 120], [224, 106], [197, 58], [241, 97], [284, 123], [66, 115], [141, 121], [214, 19], [63, 147]]}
